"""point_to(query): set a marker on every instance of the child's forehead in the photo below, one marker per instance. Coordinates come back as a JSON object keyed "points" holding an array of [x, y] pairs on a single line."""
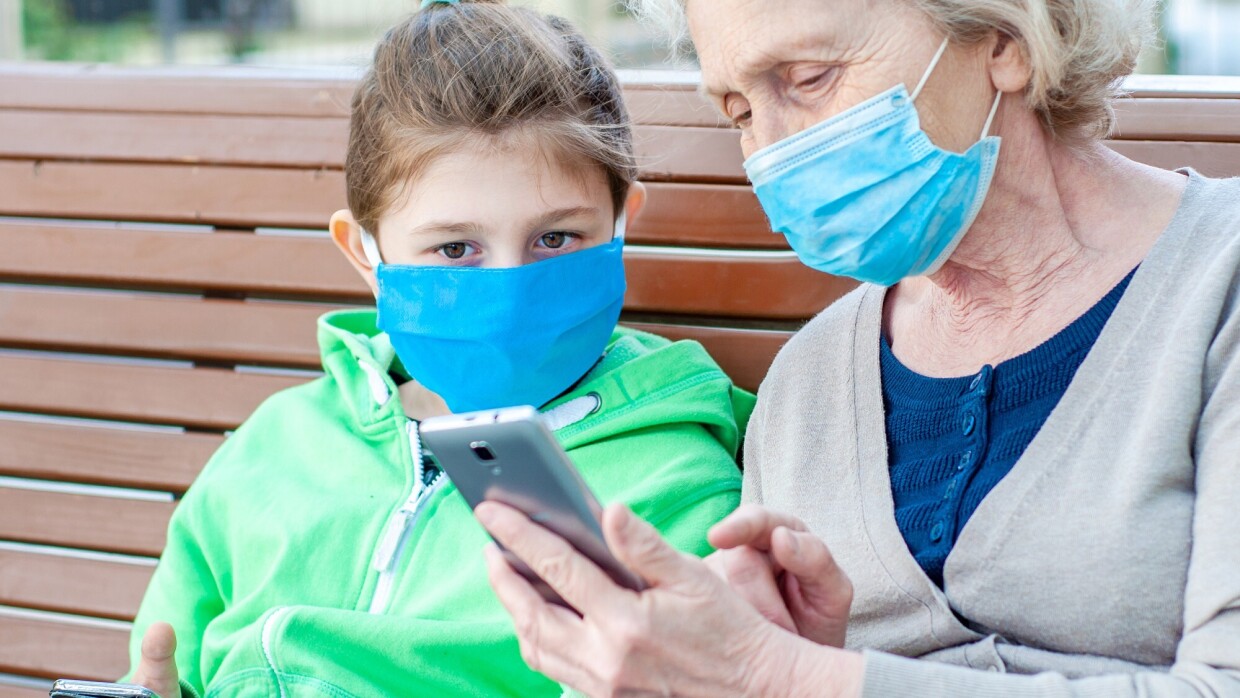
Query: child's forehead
{"points": [[510, 178]]}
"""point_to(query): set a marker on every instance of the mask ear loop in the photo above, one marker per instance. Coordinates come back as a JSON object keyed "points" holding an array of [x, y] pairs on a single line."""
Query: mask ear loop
{"points": [[622, 226], [371, 248], [929, 69], [994, 108]]}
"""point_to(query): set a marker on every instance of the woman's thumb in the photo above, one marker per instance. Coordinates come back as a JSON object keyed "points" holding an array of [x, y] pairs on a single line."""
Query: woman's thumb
{"points": [[639, 546], [157, 669]]}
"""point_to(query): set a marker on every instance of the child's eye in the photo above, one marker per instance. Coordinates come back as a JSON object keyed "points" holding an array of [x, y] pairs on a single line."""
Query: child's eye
{"points": [[555, 240], [454, 250]]}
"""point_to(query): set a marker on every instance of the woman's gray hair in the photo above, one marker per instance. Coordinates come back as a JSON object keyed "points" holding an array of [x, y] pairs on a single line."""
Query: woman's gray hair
{"points": [[1078, 50]]}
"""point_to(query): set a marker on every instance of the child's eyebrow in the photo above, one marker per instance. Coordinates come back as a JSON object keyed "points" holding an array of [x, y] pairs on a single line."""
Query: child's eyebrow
{"points": [[454, 228], [560, 214]]}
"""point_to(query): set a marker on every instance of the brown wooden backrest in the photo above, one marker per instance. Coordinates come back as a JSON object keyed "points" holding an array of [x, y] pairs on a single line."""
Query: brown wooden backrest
{"points": [[162, 264]]}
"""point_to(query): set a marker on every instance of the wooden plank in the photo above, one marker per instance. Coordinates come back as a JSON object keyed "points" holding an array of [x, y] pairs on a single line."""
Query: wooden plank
{"points": [[677, 214], [109, 524], [686, 154], [327, 92], [704, 215], [144, 459], [663, 152], [664, 280], [237, 90], [204, 398], [240, 196], [167, 258], [1210, 159], [671, 105], [64, 584], [287, 141], [745, 355], [53, 648], [13, 691], [1178, 119], [166, 327], [772, 286]]}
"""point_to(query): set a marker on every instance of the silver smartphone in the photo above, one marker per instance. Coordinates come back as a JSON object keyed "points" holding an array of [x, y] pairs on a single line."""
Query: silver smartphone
{"points": [[70, 688], [510, 456]]}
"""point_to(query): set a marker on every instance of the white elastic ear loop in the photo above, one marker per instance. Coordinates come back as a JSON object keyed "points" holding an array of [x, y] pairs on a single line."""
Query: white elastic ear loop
{"points": [[371, 248], [993, 109], [622, 225], [929, 69]]}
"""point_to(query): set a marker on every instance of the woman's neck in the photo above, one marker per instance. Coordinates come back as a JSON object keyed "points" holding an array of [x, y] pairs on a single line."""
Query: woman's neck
{"points": [[1059, 229]]}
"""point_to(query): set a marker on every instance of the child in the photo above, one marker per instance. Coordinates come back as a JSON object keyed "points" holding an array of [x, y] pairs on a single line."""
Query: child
{"points": [[321, 553]]}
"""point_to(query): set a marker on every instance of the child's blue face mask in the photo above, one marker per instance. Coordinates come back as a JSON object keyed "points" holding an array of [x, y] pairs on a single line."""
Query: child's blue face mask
{"points": [[484, 338], [867, 195]]}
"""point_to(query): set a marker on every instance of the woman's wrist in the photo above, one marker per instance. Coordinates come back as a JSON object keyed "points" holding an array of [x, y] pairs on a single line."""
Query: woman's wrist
{"points": [[793, 667]]}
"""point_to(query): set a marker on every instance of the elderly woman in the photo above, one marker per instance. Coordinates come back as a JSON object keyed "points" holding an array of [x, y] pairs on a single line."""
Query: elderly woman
{"points": [[1009, 465]]}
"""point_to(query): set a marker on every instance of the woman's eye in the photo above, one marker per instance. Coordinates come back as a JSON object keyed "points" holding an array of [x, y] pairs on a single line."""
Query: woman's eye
{"points": [[554, 241], [454, 250], [743, 121]]}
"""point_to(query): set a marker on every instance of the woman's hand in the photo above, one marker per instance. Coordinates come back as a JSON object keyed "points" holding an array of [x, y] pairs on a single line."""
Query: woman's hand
{"points": [[688, 634], [157, 669], [785, 572]]}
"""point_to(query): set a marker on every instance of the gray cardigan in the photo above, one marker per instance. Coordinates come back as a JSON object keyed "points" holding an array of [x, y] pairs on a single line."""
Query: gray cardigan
{"points": [[1107, 562]]}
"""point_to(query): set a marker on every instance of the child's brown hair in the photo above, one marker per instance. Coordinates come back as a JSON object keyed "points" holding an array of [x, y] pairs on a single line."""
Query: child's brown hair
{"points": [[465, 72]]}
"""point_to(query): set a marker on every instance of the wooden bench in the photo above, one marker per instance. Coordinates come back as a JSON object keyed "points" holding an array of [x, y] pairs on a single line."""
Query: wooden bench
{"points": [[162, 263]]}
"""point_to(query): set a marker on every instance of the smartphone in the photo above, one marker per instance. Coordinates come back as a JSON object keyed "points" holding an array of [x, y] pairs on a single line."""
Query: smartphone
{"points": [[510, 456], [69, 688]]}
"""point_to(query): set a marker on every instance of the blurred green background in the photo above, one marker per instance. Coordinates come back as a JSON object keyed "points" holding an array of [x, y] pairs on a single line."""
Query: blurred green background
{"points": [[1198, 36]]}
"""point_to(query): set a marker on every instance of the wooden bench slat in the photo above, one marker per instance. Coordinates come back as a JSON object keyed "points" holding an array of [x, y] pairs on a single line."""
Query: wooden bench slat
{"points": [[769, 287], [1210, 159], [671, 153], [59, 649], [1166, 119], [12, 691], [251, 332], [99, 455], [721, 284], [288, 141], [677, 214], [64, 584], [204, 398], [171, 327], [698, 215], [180, 90], [745, 355], [108, 524]]}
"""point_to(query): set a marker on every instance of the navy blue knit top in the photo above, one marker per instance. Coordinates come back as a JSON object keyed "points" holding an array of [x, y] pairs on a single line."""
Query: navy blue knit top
{"points": [[950, 440]]}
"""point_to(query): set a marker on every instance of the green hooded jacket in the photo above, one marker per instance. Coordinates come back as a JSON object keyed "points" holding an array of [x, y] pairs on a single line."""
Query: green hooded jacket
{"points": [[312, 557]]}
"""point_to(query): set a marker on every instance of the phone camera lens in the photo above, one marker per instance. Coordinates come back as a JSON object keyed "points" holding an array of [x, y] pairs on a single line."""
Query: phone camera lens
{"points": [[482, 450]]}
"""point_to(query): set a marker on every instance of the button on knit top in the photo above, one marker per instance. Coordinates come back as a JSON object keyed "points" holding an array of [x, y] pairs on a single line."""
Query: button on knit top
{"points": [[951, 440]]}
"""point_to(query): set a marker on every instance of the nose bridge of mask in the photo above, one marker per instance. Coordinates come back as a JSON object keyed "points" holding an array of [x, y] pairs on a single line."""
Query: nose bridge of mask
{"points": [[925, 77]]}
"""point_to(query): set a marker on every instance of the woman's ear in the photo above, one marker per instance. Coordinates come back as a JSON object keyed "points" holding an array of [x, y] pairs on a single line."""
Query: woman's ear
{"points": [[635, 202], [347, 235], [1009, 66]]}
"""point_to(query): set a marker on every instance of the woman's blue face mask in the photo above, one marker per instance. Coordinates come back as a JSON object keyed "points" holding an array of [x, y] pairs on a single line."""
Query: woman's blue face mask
{"points": [[484, 338], [867, 195]]}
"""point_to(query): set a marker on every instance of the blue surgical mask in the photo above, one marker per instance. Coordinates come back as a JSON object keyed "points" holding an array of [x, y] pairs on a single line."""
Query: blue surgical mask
{"points": [[867, 195], [484, 338]]}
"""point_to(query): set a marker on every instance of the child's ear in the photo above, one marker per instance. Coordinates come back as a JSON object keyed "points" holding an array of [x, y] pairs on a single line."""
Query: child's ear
{"points": [[635, 202], [347, 235]]}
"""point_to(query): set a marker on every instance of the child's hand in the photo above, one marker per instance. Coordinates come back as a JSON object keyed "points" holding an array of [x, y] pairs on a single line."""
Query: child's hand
{"points": [[157, 670]]}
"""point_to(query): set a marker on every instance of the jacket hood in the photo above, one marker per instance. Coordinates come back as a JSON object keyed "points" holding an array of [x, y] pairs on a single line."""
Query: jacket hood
{"points": [[642, 381]]}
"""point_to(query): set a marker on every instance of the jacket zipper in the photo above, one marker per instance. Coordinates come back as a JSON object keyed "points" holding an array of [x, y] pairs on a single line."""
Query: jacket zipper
{"points": [[401, 524]]}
